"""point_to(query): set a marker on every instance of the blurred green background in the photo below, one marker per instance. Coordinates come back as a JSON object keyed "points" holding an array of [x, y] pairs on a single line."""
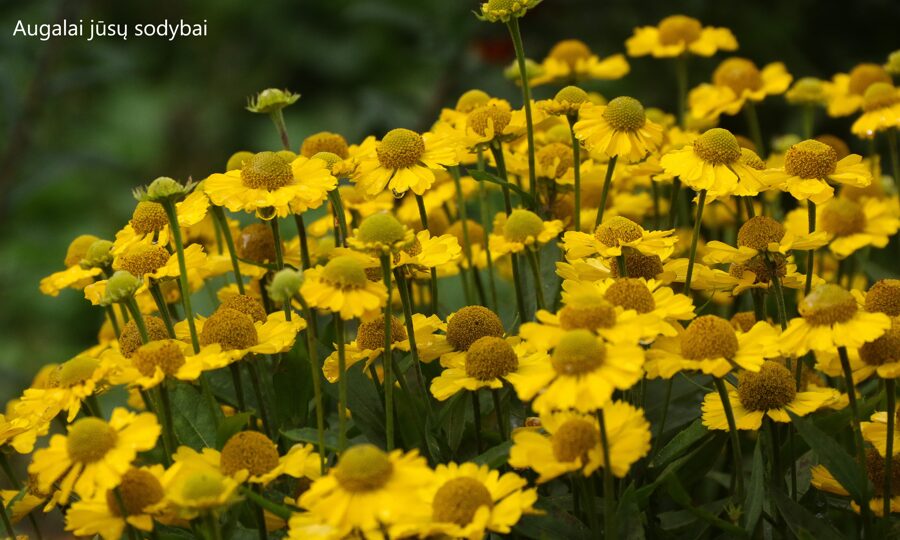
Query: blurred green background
{"points": [[83, 123]]}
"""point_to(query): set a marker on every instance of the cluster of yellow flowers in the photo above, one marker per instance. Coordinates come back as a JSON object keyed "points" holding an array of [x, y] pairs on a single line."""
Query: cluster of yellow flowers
{"points": [[385, 435]]}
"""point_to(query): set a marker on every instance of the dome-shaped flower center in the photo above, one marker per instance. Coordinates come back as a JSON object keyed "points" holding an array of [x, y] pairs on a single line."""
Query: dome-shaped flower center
{"points": [[75, 371], [324, 141], [759, 231], [266, 170], [246, 305], [148, 217], [808, 90], [344, 271], [471, 100], [625, 114], [618, 230], [143, 259], [363, 467], [772, 387], [497, 115], [99, 255], [810, 159], [231, 329], [743, 320], [165, 354], [717, 146], [884, 349], [631, 293], [400, 148], [827, 304], [571, 94], [709, 337], [251, 451], [676, 29], [490, 358], [864, 75], [130, 338], [555, 159], [330, 158], [739, 74], [78, 248], [458, 500], [570, 51], [237, 159], [470, 324], [838, 144], [382, 229], [880, 95], [138, 490], [476, 232], [203, 485], [639, 265], [522, 225], [884, 296], [843, 217], [256, 243], [578, 352], [90, 439], [875, 471], [760, 268], [370, 335], [602, 315], [751, 159], [574, 439]]}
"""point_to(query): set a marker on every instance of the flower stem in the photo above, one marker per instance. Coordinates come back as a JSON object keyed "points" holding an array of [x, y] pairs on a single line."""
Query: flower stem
{"points": [[753, 127], [673, 202], [169, 443], [260, 397], [10, 531], [182, 268], [497, 151], [411, 335], [274, 508], [464, 221], [526, 97], [387, 355], [610, 168], [779, 293], [517, 281], [219, 216], [889, 388], [138, 319], [484, 204], [304, 246], [162, 307], [654, 190], [476, 415], [278, 120], [620, 262], [609, 494], [576, 158], [810, 255], [735, 439], [312, 351], [857, 431], [335, 197], [342, 382], [423, 216], [694, 237], [260, 516], [235, 369], [535, 263], [212, 525], [502, 421]]}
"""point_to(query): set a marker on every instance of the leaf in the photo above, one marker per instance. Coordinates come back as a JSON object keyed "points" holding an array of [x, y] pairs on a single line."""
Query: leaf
{"points": [[496, 456], [753, 503], [311, 436], [455, 424], [293, 389], [801, 521], [365, 406], [556, 522], [484, 176], [833, 456], [678, 493], [710, 445], [631, 526], [192, 420], [230, 426], [681, 442]]}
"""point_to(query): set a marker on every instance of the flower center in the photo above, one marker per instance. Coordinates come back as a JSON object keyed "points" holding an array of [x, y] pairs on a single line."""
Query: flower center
{"points": [[458, 499], [843, 217], [362, 468], [677, 29], [709, 337], [835, 142], [266, 170], [827, 304], [251, 451], [324, 141], [382, 229], [875, 471], [760, 268], [590, 318], [256, 243], [760, 231], [752, 159], [521, 225], [639, 265], [743, 320], [571, 94], [864, 75], [739, 74], [578, 352], [570, 51], [370, 335], [202, 485], [717, 146], [556, 153], [490, 358], [885, 349], [144, 259], [130, 338], [400, 148], [476, 232], [138, 490], [148, 217], [78, 249], [808, 90], [90, 439], [884, 296], [618, 230], [345, 272], [497, 114], [76, 371], [625, 114], [810, 159], [470, 324], [772, 387], [330, 158], [247, 305], [574, 439], [165, 354], [471, 100], [631, 293], [880, 95], [237, 159], [229, 328]]}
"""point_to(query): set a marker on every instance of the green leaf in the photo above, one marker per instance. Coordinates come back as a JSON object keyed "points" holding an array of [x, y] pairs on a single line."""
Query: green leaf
{"points": [[756, 491], [484, 176], [631, 524], [293, 389], [710, 446], [191, 418], [833, 456], [230, 426], [311, 436], [680, 443], [455, 424], [801, 521], [496, 456], [678, 493], [365, 406], [556, 522]]}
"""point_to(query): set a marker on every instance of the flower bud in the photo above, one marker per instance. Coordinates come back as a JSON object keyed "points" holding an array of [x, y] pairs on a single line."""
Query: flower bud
{"points": [[285, 284], [120, 287], [271, 100], [98, 255]]}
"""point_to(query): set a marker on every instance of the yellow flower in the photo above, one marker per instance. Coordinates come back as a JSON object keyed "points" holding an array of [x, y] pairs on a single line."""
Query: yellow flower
{"points": [[468, 500], [572, 61], [581, 373], [520, 230], [381, 234], [881, 104], [810, 165], [875, 432], [761, 234], [404, 160], [429, 251], [494, 121], [756, 273], [823, 480], [11, 427], [829, 318], [71, 383], [677, 34], [770, 392], [271, 186], [614, 236], [620, 128], [149, 221], [368, 489], [846, 90], [487, 363], [714, 162], [74, 276], [194, 486], [735, 82], [852, 225], [341, 286], [884, 352], [19, 504], [504, 10], [807, 91], [94, 455], [149, 365]]}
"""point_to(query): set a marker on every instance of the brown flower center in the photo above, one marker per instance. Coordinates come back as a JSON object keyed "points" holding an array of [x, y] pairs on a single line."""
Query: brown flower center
{"points": [[772, 387]]}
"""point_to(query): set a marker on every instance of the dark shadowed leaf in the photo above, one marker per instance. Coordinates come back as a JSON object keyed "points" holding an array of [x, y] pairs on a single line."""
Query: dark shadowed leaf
{"points": [[801, 521], [833, 456]]}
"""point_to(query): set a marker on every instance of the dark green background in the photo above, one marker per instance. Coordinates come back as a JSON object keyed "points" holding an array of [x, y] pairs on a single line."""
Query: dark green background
{"points": [[83, 123]]}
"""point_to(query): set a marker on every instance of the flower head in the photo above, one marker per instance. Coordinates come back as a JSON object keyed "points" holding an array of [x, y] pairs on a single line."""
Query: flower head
{"points": [[620, 128], [271, 100], [679, 34]]}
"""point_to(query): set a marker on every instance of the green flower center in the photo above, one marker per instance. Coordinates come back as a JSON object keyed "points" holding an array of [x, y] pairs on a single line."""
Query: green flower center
{"points": [[346, 272], [400, 148], [78, 249], [578, 352], [202, 485], [382, 229], [625, 114], [471, 100], [90, 439], [717, 146], [571, 94], [569, 51], [522, 225], [76, 371], [865, 75], [363, 468], [266, 170], [880, 95], [459, 499]]}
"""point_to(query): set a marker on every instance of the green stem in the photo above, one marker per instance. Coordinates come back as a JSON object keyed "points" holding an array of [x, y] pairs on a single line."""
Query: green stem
{"points": [[857, 432], [411, 335], [219, 215], [276, 236], [753, 127], [776, 472], [517, 281], [654, 190], [423, 216], [260, 501], [260, 397], [502, 425], [535, 264], [620, 263], [261, 531], [7, 470], [10, 531], [111, 315], [759, 304], [610, 168], [464, 221], [278, 120], [212, 525], [235, 369], [476, 415], [526, 97], [335, 197], [694, 237], [497, 151], [304, 246], [735, 439], [748, 204], [182, 268], [312, 353], [779, 293], [342, 382], [132, 307], [162, 307], [810, 255], [484, 207], [673, 202], [387, 355], [576, 157], [889, 387], [169, 443], [609, 494]]}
